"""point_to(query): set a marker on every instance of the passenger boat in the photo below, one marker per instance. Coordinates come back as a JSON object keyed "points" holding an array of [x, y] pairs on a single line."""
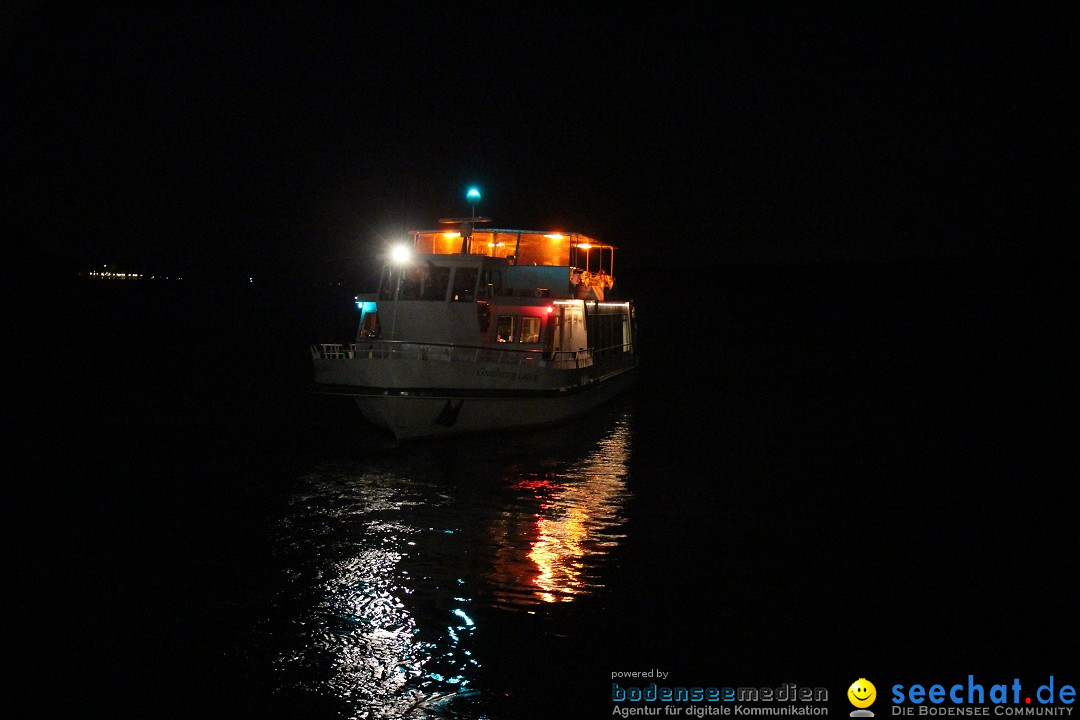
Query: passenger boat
{"points": [[485, 329]]}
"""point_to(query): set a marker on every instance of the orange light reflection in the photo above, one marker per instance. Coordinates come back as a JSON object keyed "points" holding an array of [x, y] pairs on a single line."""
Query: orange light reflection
{"points": [[579, 520]]}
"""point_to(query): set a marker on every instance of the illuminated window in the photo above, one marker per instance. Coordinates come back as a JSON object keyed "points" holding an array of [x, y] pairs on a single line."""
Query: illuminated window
{"points": [[369, 328], [504, 330], [530, 329]]}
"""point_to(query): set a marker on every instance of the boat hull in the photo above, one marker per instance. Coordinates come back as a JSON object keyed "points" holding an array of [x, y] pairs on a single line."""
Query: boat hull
{"points": [[415, 411], [411, 415]]}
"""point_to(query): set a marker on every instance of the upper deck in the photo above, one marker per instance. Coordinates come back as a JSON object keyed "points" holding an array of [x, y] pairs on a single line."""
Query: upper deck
{"points": [[520, 247]]}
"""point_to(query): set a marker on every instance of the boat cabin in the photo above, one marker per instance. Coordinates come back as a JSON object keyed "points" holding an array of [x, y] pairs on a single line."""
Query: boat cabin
{"points": [[524, 290], [520, 263]]}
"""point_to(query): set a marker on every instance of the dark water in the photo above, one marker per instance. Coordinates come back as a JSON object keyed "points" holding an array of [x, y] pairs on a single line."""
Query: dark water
{"points": [[824, 474]]}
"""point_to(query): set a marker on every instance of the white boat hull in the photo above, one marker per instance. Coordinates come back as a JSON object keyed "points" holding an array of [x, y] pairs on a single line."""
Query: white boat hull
{"points": [[442, 395], [414, 415]]}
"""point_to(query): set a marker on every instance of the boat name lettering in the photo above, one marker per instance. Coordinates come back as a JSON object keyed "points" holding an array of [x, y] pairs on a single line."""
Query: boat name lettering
{"points": [[508, 375]]}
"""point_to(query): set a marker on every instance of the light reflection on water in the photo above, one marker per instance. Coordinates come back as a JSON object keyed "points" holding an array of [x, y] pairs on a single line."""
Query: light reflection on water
{"points": [[392, 561]]}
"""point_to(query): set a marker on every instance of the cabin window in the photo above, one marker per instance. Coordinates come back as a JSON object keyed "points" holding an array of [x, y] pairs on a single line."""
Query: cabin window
{"points": [[388, 284], [504, 330], [369, 326], [530, 329], [464, 289], [411, 278], [490, 284], [435, 282]]}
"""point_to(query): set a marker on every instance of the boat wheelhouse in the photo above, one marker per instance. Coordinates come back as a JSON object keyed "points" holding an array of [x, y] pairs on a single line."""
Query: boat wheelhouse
{"points": [[473, 330]]}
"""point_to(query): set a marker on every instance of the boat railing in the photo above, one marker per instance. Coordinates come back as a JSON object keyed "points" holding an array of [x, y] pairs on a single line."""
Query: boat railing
{"points": [[402, 350]]}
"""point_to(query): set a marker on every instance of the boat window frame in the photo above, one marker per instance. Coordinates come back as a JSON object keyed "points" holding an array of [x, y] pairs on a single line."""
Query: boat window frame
{"points": [[409, 283], [369, 326], [438, 277], [388, 283], [467, 294], [534, 335], [513, 328], [491, 283]]}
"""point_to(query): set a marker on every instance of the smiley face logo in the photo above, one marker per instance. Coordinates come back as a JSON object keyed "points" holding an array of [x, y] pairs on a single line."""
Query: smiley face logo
{"points": [[862, 693]]}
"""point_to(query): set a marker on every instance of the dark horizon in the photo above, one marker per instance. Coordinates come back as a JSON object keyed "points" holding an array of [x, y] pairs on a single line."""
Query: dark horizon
{"points": [[258, 141]]}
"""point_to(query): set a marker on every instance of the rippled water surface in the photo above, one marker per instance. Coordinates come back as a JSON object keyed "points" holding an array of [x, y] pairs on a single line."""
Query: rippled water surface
{"points": [[391, 564]]}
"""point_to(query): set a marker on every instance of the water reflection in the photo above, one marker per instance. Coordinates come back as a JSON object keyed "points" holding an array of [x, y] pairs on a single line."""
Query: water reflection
{"points": [[393, 563], [549, 554]]}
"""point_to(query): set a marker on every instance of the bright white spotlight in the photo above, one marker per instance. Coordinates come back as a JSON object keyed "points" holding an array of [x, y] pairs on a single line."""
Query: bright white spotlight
{"points": [[400, 254]]}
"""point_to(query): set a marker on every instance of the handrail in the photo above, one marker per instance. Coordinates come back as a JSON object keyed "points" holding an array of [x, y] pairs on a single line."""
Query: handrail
{"points": [[380, 341], [404, 350]]}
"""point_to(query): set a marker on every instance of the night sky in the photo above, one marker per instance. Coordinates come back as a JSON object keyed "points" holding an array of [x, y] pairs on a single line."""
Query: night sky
{"points": [[265, 139]]}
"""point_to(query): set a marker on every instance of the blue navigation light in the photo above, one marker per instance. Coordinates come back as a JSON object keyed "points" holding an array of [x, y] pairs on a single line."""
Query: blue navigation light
{"points": [[473, 195]]}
